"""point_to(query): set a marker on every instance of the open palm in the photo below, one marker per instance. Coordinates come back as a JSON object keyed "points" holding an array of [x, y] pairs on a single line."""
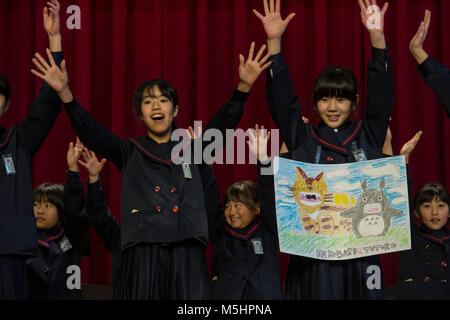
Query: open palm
{"points": [[55, 77], [273, 24]]}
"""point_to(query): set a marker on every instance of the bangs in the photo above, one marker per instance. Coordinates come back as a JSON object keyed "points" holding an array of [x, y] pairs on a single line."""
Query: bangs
{"points": [[245, 192], [52, 193], [430, 192], [336, 82]]}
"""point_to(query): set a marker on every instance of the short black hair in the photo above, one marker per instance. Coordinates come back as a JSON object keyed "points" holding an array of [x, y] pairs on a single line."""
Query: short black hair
{"points": [[337, 82], [5, 89], [167, 90], [54, 194], [245, 192], [428, 193]]}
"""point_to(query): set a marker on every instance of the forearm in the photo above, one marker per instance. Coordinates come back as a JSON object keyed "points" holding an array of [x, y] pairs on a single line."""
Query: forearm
{"points": [[380, 96], [100, 217], [274, 46], [229, 115], [283, 103], [420, 55], [378, 40], [93, 135], [55, 43], [437, 77]]}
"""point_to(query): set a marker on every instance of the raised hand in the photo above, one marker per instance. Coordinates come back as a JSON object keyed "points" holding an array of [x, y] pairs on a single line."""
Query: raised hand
{"points": [[410, 146], [250, 70], [274, 25], [51, 18], [73, 155], [373, 20], [257, 143], [416, 45], [54, 76], [92, 164]]}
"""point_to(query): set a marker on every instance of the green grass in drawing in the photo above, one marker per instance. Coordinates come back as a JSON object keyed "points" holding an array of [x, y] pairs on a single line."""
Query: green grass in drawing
{"points": [[303, 243]]}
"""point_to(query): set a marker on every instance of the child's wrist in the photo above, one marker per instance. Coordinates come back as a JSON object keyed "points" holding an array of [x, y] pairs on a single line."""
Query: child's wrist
{"points": [[73, 168], [377, 39], [244, 87], [65, 95], [93, 179]]}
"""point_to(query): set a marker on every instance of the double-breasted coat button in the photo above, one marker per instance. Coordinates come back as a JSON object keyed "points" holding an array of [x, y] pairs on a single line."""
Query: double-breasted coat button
{"points": [[443, 281], [426, 279], [173, 189], [158, 209], [175, 209], [427, 246], [157, 188], [444, 264], [330, 159], [46, 270]]}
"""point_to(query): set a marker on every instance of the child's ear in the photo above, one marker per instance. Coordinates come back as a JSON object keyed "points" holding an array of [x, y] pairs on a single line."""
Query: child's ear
{"points": [[175, 111], [417, 215], [7, 106], [357, 102], [257, 209]]}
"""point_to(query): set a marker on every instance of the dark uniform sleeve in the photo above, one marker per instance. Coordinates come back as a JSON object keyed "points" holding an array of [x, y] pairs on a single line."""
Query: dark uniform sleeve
{"points": [[35, 127], [214, 208], [95, 136], [284, 106], [437, 77], [380, 97], [266, 194], [100, 217], [228, 116], [77, 224], [230, 113]]}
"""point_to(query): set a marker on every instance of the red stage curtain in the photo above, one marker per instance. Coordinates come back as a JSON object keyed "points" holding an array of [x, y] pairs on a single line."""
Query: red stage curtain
{"points": [[194, 44]]}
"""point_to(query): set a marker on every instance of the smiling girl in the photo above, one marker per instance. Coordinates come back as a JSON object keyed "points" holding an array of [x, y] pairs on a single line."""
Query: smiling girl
{"points": [[423, 272], [164, 230]]}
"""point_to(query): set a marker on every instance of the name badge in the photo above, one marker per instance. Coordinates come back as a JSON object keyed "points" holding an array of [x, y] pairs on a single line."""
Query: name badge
{"points": [[359, 155], [9, 164], [65, 244], [186, 171], [257, 246]]}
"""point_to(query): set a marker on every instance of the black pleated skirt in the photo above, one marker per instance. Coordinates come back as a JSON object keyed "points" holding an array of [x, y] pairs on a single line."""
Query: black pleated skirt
{"points": [[356, 279], [163, 272], [13, 278]]}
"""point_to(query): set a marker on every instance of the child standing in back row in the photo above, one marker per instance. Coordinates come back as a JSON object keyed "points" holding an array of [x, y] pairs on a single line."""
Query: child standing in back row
{"points": [[336, 139]]}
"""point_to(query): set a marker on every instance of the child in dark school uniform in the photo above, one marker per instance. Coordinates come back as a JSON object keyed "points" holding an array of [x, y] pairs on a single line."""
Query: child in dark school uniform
{"points": [[164, 231], [244, 238], [436, 76], [63, 236], [423, 271], [99, 215], [336, 139], [18, 145]]}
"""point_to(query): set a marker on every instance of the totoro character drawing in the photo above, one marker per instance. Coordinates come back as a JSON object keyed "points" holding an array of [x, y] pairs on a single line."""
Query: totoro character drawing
{"points": [[371, 216]]}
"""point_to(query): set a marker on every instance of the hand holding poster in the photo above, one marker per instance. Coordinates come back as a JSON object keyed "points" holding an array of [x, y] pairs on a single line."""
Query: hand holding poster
{"points": [[342, 211]]}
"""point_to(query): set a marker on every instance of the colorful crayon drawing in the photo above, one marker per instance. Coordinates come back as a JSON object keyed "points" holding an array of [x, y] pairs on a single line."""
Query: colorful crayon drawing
{"points": [[342, 211]]}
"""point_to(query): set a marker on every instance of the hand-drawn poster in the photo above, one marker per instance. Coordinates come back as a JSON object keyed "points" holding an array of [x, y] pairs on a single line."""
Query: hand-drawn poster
{"points": [[342, 211]]}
